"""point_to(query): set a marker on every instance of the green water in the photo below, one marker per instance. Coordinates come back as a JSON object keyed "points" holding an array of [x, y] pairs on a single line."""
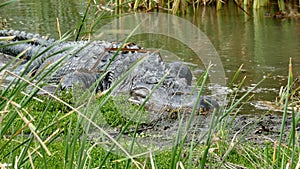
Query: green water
{"points": [[262, 44]]}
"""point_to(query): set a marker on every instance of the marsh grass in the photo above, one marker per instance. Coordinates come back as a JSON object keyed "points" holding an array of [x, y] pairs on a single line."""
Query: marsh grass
{"points": [[180, 6], [7, 3], [51, 133]]}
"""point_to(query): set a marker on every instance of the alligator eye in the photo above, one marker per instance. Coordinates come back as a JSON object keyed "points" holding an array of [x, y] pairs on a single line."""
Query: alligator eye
{"points": [[152, 80], [140, 92]]}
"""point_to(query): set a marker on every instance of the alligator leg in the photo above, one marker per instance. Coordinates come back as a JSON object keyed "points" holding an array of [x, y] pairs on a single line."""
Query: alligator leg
{"points": [[85, 80]]}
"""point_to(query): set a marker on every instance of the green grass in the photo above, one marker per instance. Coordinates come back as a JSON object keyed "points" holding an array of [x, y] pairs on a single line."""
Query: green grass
{"points": [[53, 133], [243, 154], [56, 122]]}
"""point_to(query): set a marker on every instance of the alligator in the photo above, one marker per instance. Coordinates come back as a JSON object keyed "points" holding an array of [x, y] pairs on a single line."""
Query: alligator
{"points": [[84, 62]]}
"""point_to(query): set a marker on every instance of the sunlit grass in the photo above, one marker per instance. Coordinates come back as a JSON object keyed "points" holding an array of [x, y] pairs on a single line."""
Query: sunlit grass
{"points": [[50, 131], [40, 132]]}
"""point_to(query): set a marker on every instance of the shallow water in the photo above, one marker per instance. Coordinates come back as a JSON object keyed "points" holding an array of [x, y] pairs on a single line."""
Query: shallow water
{"points": [[262, 44]]}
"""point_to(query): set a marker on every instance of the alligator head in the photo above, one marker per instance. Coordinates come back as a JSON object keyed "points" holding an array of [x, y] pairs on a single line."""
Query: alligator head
{"points": [[164, 86]]}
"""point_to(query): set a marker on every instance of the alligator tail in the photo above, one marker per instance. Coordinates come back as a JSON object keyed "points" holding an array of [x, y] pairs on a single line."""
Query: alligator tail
{"points": [[37, 39], [33, 47]]}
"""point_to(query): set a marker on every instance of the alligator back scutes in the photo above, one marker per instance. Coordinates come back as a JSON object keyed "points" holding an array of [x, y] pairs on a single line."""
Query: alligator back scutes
{"points": [[21, 35]]}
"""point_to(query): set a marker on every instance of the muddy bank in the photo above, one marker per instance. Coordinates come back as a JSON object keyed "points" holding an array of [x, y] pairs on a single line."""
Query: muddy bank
{"points": [[264, 127], [167, 130]]}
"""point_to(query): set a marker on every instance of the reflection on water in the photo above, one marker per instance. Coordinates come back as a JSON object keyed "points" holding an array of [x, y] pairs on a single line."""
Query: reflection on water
{"points": [[262, 44], [40, 15]]}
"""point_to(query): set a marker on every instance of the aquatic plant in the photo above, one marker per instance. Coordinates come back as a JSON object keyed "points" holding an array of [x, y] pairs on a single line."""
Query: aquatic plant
{"points": [[179, 6]]}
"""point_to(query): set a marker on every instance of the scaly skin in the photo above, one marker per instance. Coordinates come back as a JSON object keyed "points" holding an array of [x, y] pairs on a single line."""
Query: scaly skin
{"points": [[84, 62]]}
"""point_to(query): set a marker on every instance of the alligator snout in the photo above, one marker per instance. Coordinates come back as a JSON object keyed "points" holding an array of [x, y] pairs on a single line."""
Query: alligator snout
{"points": [[160, 98]]}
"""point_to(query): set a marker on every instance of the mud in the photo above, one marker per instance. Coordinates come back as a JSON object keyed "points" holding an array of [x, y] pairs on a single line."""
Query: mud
{"points": [[265, 127], [169, 129]]}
